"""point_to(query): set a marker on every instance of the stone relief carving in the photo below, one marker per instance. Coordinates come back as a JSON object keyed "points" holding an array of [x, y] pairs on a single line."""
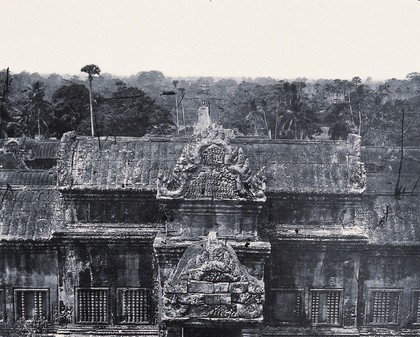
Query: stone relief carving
{"points": [[358, 179], [210, 282], [65, 153], [19, 150], [210, 168]]}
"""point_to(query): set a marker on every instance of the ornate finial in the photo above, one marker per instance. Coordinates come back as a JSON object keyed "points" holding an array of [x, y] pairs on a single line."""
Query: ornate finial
{"points": [[203, 116]]}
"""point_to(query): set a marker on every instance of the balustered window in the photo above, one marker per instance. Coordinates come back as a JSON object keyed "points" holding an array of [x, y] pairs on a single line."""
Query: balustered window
{"points": [[416, 306], [31, 304], [384, 306], [2, 305], [92, 305], [325, 306], [287, 306], [133, 305]]}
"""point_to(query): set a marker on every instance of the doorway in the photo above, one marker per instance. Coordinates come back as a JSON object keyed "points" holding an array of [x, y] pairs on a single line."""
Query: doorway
{"points": [[212, 332]]}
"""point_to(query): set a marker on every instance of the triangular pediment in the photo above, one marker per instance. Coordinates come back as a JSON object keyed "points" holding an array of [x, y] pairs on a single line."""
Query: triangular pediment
{"points": [[210, 168], [209, 282]]}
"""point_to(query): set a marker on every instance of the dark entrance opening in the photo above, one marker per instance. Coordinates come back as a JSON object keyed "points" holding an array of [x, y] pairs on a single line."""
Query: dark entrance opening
{"points": [[212, 332]]}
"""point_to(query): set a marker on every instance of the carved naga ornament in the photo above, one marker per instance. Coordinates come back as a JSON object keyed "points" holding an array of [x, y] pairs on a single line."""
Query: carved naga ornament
{"points": [[210, 168]]}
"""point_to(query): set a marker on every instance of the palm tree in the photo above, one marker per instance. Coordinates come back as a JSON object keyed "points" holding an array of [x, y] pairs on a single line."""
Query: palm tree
{"points": [[91, 70], [175, 84], [182, 91], [42, 107], [356, 81], [298, 121], [5, 119], [36, 111], [340, 120], [5, 116]]}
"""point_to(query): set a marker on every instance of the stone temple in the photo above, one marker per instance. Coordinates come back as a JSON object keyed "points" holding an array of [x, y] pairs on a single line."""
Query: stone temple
{"points": [[212, 235]]}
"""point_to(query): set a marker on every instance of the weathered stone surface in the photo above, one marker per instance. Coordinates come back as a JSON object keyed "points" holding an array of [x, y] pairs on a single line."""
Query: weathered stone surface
{"points": [[200, 287], [221, 287], [238, 287], [196, 218], [210, 168], [247, 298], [15, 152], [214, 274], [30, 214], [326, 233], [180, 287], [249, 311], [191, 298], [135, 163], [255, 289], [217, 299]]}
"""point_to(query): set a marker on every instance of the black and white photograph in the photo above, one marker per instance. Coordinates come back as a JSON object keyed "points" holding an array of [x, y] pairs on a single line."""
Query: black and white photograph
{"points": [[209, 168]]}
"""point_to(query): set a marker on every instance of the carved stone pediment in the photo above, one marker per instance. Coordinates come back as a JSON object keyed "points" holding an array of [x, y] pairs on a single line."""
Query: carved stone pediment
{"points": [[210, 168], [209, 282], [18, 149]]}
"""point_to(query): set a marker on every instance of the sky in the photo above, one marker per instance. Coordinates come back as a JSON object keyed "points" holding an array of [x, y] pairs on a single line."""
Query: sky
{"points": [[220, 38]]}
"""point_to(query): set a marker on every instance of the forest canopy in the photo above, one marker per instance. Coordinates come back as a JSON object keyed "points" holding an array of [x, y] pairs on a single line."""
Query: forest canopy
{"points": [[148, 103]]}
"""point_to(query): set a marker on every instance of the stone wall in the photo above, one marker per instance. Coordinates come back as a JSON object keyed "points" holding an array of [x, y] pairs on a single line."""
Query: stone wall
{"points": [[24, 267], [332, 237], [303, 270], [394, 275], [109, 266], [392, 195]]}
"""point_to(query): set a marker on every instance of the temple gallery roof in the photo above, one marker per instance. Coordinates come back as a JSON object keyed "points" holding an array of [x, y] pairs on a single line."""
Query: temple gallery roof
{"points": [[29, 214], [32, 208], [332, 167]]}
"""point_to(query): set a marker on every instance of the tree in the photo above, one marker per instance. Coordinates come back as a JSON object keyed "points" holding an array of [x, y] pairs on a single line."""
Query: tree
{"points": [[151, 82], [91, 70], [298, 120], [182, 91], [340, 121], [356, 81], [366, 101], [130, 112], [37, 112], [70, 105], [413, 75], [5, 115], [242, 111], [175, 84]]}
